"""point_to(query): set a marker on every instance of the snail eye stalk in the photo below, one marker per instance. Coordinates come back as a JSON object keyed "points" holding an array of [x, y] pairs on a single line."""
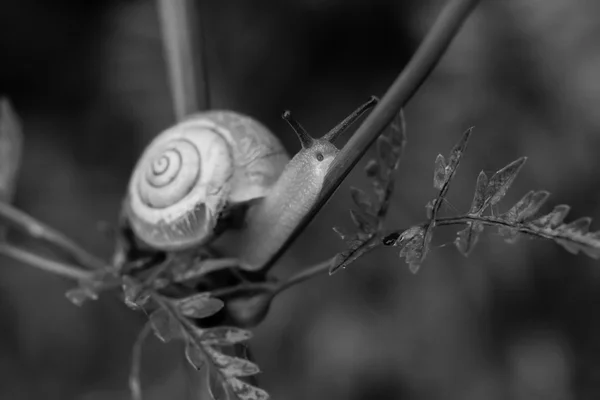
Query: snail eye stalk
{"points": [[333, 134], [305, 139]]}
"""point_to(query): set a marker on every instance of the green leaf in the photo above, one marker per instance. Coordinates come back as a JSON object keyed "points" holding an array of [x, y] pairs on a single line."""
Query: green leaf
{"points": [[165, 327], [528, 206], [457, 152], [414, 245], [245, 391], [11, 145], [364, 222], [135, 293], [200, 305], [396, 135], [195, 356], [361, 199], [231, 367], [467, 238], [372, 169], [501, 181], [81, 294], [439, 172], [554, 218], [225, 335], [479, 196]]}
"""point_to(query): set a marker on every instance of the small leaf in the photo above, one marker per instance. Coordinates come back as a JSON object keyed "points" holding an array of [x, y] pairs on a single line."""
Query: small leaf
{"points": [[80, 295], [365, 223], [457, 152], [200, 305], [479, 196], [413, 246], [218, 386], [512, 215], [225, 335], [372, 169], [467, 238], [231, 367], [361, 199], [164, 326], [429, 208], [501, 181], [195, 356], [134, 292], [384, 151], [398, 137], [580, 226], [245, 391], [439, 172], [554, 218]]}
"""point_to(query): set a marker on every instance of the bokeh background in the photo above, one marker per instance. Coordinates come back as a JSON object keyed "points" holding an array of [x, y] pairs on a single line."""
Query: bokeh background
{"points": [[510, 322]]}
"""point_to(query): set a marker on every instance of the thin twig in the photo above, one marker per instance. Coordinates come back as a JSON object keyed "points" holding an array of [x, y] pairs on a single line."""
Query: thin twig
{"points": [[404, 87], [185, 53], [275, 288], [55, 267], [305, 274], [29, 225], [135, 379]]}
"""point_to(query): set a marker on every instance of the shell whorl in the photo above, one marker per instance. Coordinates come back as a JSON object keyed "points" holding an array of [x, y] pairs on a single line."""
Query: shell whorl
{"points": [[191, 172]]}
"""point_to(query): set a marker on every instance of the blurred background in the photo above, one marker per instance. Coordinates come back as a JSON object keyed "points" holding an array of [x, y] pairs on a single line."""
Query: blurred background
{"points": [[510, 322]]}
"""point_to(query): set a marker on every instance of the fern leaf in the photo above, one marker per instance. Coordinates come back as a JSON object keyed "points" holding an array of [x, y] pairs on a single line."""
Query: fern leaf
{"points": [[439, 172], [200, 305], [467, 238], [165, 327], [479, 196], [231, 367], [362, 201], [554, 218], [225, 335], [501, 181], [194, 356]]}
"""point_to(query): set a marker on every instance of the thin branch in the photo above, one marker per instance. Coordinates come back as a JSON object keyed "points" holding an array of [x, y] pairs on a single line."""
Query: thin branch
{"points": [[32, 227], [304, 275], [404, 87], [276, 288], [65, 270], [135, 385], [185, 52]]}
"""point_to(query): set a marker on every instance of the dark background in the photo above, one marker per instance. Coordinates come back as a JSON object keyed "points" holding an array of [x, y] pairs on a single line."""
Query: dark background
{"points": [[510, 322]]}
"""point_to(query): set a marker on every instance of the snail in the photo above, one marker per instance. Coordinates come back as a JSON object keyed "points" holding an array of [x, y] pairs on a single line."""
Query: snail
{"points": [[193, 174]]}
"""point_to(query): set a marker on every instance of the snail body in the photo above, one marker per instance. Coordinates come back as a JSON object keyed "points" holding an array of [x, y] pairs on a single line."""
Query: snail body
{"points": [[190, 175]]}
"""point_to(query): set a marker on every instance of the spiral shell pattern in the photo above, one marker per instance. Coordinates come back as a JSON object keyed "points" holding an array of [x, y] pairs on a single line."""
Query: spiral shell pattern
{"points": [[190, 173]]}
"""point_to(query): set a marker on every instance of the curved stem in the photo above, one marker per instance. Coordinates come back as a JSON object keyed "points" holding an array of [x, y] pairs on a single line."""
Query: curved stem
{"points": [[135, 380], [65, 270], [305, 274], [404, 87]]}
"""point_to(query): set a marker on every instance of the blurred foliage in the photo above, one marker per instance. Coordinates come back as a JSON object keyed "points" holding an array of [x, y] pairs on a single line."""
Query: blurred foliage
{"points": [[88, 80]]}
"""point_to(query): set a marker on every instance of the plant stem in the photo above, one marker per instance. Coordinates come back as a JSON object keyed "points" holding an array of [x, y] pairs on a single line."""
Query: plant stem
{"points": [[185, 54], [305, 274], [135, 385], [29, 225], [404, 87], [65, 270]]}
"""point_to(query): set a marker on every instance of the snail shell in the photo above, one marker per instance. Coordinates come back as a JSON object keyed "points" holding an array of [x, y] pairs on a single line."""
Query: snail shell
{"points": [[194, 171]]}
